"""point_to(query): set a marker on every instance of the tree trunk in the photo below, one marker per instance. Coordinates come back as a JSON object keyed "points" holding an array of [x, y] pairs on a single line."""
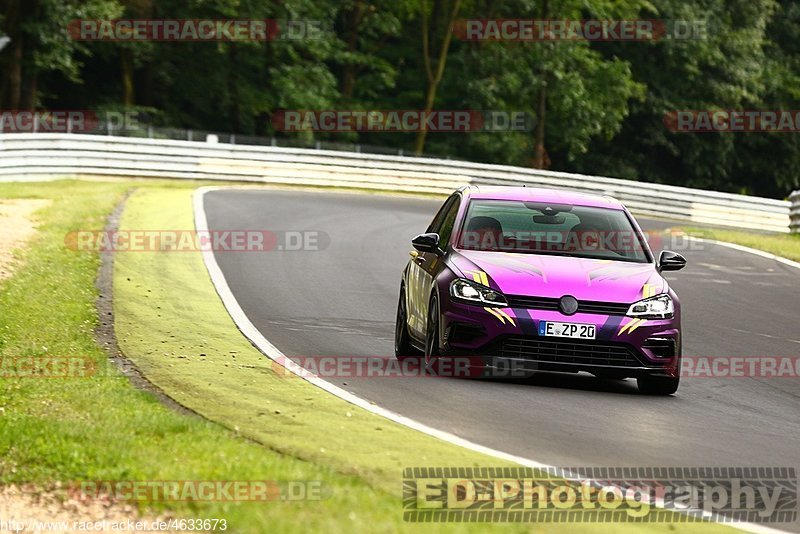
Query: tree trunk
{"points": [[233, 90], [541, 111], [11, 71], [28, 98], [430, 98], [14, 94], [126, 62], [352, 23], [146, 85], [434, 75], [539, 153]]}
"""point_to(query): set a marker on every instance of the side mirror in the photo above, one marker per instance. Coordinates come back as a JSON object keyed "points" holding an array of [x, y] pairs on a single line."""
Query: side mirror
{"points": [[670, 261], [426, 242]]}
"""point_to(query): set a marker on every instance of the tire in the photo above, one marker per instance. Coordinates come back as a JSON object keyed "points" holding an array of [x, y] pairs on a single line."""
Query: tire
{"points": [[402, 340], [432, 336], [658, 385]]}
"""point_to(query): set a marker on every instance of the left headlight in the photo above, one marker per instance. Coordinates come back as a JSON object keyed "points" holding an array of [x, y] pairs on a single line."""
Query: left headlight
{"points": [[463, 289], [660, 307]]}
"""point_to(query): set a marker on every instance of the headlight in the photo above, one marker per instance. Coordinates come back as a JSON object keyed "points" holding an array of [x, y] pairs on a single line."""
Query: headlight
{"points": [[462, 289], [660, 307]]}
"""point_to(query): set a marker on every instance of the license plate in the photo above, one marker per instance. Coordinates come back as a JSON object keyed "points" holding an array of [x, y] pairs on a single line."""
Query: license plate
{"points": [[571, 330]]}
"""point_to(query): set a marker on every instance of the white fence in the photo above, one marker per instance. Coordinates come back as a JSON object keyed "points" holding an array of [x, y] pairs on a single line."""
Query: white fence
{"points": [[795, 213], [47, 156]]}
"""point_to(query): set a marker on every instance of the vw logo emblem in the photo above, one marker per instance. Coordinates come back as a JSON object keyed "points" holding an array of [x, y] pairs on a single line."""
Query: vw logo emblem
{"points": [[568, 305]]}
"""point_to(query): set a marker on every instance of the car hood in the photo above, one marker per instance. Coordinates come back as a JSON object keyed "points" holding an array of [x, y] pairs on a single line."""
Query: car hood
{"points": [[555, 276]]}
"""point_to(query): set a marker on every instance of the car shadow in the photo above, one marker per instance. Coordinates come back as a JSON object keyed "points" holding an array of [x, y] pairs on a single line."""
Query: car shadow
{"points": [[551, 379], [578, 381], [574, 381]]}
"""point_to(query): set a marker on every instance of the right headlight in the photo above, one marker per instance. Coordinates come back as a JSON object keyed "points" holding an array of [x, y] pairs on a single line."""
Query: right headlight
{"points": [[463, 289], [660, 307]]}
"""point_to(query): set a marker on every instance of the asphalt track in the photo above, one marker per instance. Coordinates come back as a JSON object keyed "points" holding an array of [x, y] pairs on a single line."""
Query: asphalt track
{"points": [[341, 301]]}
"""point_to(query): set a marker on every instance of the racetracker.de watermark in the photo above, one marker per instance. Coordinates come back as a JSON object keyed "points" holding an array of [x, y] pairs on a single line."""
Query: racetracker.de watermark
{"points": [[48, 367], [377, 367], [402, 120], [737, 121], [486, 366], [740, 367], [623, 242], [198, 490], [592, 494], [198, 30], [194, 241], [67, 121], [537, 30]]}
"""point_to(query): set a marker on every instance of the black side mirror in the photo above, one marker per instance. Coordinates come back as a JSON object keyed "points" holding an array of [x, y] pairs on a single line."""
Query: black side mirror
{"points": [[426, 242], [670, 261]]}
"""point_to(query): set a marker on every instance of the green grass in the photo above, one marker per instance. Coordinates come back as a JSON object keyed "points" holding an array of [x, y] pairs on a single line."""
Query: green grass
{"points": [[785, 245], [168, 315], [102, 428]]}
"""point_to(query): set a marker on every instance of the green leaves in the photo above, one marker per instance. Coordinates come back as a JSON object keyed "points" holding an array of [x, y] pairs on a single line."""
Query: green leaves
{"points": [[603, 102]]}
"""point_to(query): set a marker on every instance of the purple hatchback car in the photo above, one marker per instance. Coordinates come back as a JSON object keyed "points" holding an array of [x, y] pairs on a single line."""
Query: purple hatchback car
{"points": [[513, 280]]}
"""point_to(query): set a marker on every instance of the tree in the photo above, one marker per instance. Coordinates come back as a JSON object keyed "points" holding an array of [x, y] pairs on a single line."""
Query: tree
{"points": [[725, 70], [437, 34], [365, 29], [40, 44]]}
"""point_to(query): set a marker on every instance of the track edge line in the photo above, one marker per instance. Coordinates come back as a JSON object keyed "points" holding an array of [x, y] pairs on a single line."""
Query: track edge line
{"points": [[258, 340]]}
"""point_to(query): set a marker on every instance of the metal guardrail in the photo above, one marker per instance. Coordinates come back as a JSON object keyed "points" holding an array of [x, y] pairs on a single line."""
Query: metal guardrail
{"points": [[794, 215], [47, 156], [146, 131]]}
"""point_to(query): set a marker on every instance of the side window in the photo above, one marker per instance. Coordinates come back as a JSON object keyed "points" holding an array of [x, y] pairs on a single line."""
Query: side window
{"points": [[448, 223], [437, 221]]}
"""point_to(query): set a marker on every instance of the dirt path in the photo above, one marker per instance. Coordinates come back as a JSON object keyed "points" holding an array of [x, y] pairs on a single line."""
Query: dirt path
{"points": [[17, 226], [32, 510]]}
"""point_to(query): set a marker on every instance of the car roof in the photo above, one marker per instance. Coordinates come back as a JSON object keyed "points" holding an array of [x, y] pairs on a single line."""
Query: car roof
{"points": [[540, 194]]}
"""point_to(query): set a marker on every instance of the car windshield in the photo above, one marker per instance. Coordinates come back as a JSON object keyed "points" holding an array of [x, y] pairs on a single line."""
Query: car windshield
{"points": [[557, 229]]}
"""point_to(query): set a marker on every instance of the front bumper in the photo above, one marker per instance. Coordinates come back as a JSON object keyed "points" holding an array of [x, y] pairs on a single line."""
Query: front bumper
{"points": [[506, 342]]}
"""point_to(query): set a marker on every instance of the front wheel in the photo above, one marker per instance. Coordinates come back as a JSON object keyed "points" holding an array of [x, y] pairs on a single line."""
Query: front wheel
{"points": [[402, 341], [658, 385], [432, 335]]}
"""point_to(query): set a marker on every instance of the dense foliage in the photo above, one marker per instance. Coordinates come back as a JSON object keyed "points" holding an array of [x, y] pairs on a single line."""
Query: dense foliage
{"points": [[600, 106]]}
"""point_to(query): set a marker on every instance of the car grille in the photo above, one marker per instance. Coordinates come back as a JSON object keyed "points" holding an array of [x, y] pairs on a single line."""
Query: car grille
{"points": [[584, 306], [575, 352]]}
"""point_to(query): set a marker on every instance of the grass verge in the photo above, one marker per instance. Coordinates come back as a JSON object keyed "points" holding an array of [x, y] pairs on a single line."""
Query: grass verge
{"points": [[785, 245], [101, 428]]}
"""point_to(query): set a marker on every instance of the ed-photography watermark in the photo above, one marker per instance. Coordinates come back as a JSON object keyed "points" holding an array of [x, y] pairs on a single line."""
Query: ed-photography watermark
{"points": [[198, 30], [737, 121], [618, 494], [539, 30], [68, 121], [194, 241], [402, 120], [198, 490]]}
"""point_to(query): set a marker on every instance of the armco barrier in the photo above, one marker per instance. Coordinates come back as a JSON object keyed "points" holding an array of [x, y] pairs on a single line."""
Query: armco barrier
{"points": [[46, 156], [794, 215]]}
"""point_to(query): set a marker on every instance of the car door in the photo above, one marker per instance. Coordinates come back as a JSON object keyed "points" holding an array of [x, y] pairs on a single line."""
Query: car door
{"points": [[431, 262], [418, 289]]}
